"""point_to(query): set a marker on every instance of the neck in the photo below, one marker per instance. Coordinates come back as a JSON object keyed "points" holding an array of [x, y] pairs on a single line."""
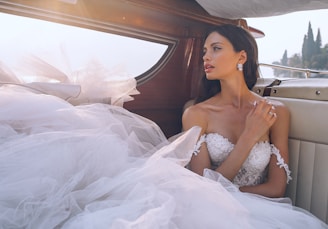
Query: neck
{"points": [[236, 94]]}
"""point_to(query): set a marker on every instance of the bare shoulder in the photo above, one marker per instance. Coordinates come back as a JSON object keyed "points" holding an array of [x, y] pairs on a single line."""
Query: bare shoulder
{"points": [[195, 115], [281, 108], [283, 117], [194, 112]]}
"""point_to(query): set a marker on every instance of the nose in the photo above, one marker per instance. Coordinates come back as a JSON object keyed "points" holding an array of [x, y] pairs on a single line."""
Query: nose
{"points": [[205, 56]]}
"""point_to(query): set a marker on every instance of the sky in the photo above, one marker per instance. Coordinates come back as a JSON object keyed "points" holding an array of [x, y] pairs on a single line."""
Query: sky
{"points": [[70, 48], [286, 32]]}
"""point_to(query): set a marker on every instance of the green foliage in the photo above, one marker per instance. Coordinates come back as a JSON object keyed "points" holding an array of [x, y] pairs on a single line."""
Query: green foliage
{"points": [[284, 60], [310, 48], [296, 61], [281, 72], [318, 42], [314, 56]]}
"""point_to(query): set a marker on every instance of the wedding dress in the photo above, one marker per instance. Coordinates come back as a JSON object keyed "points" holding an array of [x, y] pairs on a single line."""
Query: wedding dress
{"points": [[254, 169], [278, 212], [97, 165]]}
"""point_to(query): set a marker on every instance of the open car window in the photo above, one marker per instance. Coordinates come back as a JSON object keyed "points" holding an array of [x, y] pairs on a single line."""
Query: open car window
{"points": [[70, 48]]}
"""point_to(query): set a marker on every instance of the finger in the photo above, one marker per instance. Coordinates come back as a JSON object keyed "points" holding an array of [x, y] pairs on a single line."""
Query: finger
{"points": [[272, 117], [262, 107], [268, 107], [272, 109], [272, 114]]}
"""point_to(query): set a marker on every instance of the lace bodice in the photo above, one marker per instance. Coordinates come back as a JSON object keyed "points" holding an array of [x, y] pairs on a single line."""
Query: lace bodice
{"points": [[254, 169]]}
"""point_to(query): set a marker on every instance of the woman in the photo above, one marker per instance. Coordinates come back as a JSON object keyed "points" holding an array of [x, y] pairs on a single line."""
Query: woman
{"points": [[243, 142], [100, 166], [229, 112]]}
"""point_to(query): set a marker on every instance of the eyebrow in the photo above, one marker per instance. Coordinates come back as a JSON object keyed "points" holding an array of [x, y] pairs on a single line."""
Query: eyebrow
{"points": [[215, 43]]}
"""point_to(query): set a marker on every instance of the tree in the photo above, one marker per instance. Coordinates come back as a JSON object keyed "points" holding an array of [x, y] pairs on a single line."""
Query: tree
{"points": [[296, 61], [318, 43], [320, 61], [284, 60], [309, 47], [304, 51], [313, 56]]}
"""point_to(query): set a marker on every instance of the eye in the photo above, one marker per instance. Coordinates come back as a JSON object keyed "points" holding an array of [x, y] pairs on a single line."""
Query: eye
{"points": [[216, 48], [204, 51]]}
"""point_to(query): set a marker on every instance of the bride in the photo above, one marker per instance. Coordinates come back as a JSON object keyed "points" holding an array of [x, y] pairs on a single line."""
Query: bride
{"points": [[97, 165]]}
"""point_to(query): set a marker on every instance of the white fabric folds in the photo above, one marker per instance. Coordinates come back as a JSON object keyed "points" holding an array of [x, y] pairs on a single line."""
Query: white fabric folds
{"points": [[98, 166], [101, 166], [91, 84]]}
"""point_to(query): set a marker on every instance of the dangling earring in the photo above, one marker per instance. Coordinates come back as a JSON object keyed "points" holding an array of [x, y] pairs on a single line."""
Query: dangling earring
{"points": [[240, 67]]}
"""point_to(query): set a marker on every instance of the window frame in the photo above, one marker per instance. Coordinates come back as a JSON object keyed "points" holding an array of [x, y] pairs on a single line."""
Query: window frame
{"points": [[106, 27]]}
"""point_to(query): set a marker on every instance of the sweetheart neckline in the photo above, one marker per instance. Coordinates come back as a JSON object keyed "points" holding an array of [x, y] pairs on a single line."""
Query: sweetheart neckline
{"points": [[227, 139], [221, 136]]}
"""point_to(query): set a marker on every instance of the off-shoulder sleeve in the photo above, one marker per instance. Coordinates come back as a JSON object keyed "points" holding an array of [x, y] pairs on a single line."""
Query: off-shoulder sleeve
{"points": [[281, 163], [198, 144]]}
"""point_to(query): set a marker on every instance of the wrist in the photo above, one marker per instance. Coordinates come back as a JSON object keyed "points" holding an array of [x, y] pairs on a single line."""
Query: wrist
{"points": [[247, 140]]}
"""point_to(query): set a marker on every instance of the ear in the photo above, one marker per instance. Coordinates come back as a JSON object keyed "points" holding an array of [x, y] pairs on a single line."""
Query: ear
{"points": [[242, 57]]}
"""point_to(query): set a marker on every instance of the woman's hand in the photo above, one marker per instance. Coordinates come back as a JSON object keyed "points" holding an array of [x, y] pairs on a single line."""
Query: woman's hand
{"points": [[260, 119]]}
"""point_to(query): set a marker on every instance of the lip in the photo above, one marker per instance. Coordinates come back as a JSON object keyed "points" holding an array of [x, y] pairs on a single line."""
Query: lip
{"points": [[208, 68]]}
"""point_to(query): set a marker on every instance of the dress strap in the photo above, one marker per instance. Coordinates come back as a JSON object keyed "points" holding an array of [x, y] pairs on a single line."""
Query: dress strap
{"points": [[198, 144], [281, 163]]}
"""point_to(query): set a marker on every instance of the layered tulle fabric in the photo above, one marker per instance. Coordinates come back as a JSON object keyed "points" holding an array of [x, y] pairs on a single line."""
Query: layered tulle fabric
{"points": [[101, 166], [92, 84], [268, 212]]}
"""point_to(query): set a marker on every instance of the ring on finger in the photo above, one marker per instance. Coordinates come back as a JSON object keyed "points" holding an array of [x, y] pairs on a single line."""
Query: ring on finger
{"points": [[272, 114]]}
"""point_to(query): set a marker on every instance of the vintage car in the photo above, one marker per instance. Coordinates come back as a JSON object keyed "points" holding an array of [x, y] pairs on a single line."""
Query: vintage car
{"points": [[168, 84]]}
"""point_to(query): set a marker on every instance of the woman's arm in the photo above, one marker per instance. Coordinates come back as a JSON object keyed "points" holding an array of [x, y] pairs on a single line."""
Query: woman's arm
{"points": [[257, 125], [277, 177], [196, 116]]}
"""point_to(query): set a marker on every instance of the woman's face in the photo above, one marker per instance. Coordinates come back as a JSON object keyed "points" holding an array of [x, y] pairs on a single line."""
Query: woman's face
{"points": [[220, 59]]}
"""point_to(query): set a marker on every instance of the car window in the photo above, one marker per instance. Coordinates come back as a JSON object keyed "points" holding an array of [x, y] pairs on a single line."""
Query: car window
{"points": [[70, 48]]}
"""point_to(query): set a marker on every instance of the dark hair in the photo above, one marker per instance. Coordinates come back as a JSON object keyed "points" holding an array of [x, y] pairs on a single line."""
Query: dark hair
{"points": [[240, 39]]}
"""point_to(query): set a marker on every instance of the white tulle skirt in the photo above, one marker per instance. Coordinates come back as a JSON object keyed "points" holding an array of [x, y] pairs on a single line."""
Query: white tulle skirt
{"points": [[100, 166]]}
